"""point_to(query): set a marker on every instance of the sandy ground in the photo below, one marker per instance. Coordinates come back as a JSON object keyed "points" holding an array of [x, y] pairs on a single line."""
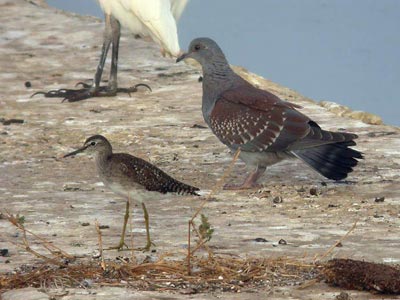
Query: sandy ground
{"points": [[52, 49]]}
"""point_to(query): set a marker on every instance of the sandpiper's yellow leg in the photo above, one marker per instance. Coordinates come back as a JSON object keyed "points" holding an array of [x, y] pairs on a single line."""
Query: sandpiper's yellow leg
{"points": [[121, 244], [146, 220]]}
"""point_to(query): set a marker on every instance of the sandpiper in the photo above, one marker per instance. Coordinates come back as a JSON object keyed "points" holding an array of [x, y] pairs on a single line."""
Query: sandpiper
{"points": [[131, 177]]}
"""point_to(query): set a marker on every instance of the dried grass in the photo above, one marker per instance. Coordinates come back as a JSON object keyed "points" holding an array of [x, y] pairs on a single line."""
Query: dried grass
{"points": [[218, 272]]}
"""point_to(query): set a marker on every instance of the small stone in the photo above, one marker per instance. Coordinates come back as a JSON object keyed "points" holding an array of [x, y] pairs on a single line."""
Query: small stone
{"points": [[260, 240], [28, 84], [277, 199], [379, 199], [198, 126], [13, 121], [343, 296], [314, 191], [4, 252], [282, 242], [85, 224], [376, 215], [339, 245], [104, 226], [188, 291], [87, 283]]}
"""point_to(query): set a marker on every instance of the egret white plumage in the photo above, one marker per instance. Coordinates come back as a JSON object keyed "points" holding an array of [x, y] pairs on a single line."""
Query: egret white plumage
{"points": [[154, 18]]}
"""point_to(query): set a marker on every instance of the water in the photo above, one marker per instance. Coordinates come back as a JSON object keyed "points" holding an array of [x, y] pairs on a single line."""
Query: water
{"points": [[338, 50]]}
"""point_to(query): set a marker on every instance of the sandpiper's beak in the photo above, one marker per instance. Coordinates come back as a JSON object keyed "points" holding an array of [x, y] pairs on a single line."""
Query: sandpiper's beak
{"points": [[182, 57], [76, 151]]}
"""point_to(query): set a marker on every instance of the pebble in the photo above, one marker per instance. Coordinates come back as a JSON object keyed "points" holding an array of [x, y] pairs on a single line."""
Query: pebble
{"points": [[282, 242], [314, 191], [260, 240]]}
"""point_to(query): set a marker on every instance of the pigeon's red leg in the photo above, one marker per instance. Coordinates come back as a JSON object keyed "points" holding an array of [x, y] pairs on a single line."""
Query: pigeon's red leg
{"points": [[250, 182]]}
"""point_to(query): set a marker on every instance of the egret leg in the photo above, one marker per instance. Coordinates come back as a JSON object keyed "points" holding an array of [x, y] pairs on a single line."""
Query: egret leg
{"points": [[250, 182], [112, 35], [116, 34]]}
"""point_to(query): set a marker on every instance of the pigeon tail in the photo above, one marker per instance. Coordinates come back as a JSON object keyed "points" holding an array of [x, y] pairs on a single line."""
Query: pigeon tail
{"points": [[334, 161]]}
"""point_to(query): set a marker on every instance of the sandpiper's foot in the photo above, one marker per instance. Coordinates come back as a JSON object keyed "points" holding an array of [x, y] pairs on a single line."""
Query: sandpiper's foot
{"points": [[88, 91], [124, 247], [147, 247], [119, 247], [243, 186]]}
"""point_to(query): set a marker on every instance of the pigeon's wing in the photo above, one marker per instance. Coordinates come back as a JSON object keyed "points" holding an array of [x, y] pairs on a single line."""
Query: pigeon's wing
{"points": [[256, 120]]}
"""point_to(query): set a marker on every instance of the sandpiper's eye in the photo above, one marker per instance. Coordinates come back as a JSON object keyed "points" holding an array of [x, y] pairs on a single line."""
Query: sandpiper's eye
{"points": [[92, 143], [197, 47]]}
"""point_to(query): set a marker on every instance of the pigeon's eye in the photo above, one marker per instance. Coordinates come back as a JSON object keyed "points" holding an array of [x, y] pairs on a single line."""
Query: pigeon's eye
{"points": [[92, 143], [197, 47]]}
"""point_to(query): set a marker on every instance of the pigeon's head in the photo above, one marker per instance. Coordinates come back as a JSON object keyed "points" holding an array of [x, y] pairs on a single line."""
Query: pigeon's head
{"points": [[204, 50], [94, 144]]}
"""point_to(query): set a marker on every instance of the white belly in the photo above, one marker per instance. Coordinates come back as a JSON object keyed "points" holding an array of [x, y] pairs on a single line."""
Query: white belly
{"points": [[152, 18], [136, 194]]}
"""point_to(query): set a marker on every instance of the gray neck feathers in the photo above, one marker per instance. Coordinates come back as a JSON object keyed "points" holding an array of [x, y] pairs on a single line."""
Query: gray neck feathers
{"points": [[102, 156], [217, 78]]}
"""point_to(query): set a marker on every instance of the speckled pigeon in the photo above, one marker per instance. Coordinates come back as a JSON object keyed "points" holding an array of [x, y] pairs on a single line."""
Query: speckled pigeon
{"points": [[264, 127]]}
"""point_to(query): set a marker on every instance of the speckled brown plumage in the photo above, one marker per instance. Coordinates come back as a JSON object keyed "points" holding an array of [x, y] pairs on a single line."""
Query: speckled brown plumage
{"points": [[128, 175], [130, 169], [132, 178]]}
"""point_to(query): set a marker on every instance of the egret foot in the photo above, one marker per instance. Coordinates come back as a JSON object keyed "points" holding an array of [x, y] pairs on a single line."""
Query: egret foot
{"points": [[88, 91]]}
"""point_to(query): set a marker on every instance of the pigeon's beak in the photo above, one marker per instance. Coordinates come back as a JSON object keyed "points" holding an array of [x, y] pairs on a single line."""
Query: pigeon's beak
{"points": [[76, 151], [182, 57]]}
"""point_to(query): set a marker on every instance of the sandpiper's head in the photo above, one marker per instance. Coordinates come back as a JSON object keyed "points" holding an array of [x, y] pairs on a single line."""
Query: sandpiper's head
{"points": [[204, 50], [94, 144]]}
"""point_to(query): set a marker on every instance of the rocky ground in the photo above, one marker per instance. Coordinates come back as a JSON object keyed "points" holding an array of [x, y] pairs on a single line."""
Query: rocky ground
{"points": [[60, 199]]}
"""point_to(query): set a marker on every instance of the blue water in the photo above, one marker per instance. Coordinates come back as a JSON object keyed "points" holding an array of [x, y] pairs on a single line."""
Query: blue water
{"points": [[346, 51]]}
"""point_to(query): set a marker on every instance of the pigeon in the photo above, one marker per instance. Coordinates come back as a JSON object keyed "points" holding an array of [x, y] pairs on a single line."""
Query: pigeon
{"points": [[265, 128]]}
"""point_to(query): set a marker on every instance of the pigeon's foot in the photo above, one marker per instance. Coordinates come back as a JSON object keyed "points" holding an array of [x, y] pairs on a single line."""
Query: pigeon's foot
{"points": [[250, 182], [243, 186], [88, 91]]}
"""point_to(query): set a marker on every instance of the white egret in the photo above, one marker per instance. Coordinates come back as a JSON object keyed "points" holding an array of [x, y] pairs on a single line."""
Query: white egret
{"points": [[148, 18]]}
